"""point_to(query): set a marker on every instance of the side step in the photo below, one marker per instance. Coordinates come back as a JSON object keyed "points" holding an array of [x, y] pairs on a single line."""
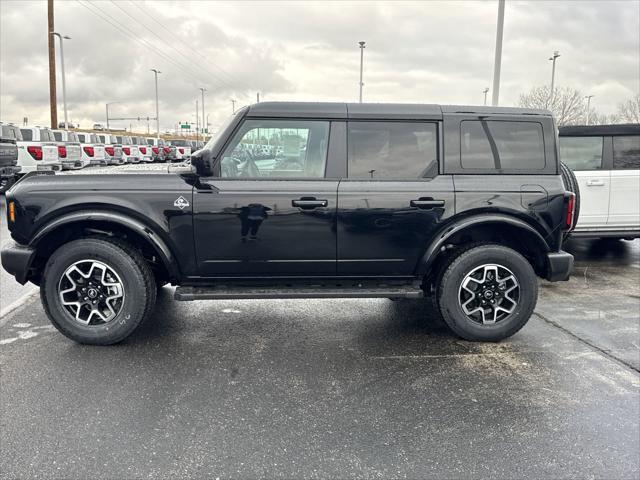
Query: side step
{"points": [[249, 292]]}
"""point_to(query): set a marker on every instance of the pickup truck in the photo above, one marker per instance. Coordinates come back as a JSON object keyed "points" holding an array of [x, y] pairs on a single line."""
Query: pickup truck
{"points": [[183, 149], [9, 169], [157, 149], [129, 150], [112, 149], [38, 150], [462, 206], [92, 149], [144, 150], [69, 150]]}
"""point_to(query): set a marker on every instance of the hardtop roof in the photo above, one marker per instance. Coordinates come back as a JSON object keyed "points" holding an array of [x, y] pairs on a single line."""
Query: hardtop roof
{"points": [[594, 130]]}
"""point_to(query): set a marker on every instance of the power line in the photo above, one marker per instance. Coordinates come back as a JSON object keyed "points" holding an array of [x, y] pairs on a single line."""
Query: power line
{"points": [[105, 16], [222, 82], [231, 78]]}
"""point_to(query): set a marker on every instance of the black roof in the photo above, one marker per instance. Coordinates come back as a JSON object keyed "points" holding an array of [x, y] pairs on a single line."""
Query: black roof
{"points": [[592, 130], [416, 111]]}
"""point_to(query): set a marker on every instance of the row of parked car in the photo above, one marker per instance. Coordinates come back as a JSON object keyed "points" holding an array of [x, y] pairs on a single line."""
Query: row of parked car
{"points": [[28, 149]]}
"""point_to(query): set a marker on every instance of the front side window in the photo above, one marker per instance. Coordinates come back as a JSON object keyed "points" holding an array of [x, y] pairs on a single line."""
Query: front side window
{"points": [[501, 145], [277, 148], [581, 153], [626, 153], [392, 150]]}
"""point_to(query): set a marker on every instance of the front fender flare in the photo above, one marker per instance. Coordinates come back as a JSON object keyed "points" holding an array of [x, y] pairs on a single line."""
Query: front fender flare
{"points": [[447, 232], [160, 246]]}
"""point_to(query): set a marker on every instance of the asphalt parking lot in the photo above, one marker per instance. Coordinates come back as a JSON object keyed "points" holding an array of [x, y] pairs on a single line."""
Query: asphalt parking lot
{"points": [[334, 388]]}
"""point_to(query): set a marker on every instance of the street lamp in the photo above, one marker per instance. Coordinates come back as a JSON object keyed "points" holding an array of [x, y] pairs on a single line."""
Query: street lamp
{"points": [[64, 86], [233, 106], [202, 89], [553, 75], [107, 109], [497, 62], [485, 91], [362, 47], [156, 72], [588, 97]]}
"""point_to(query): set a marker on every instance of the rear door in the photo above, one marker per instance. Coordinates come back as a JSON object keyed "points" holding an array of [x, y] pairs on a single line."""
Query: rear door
{"points": [[266, 215], [392, 199], [588, 157], [624, 203]]}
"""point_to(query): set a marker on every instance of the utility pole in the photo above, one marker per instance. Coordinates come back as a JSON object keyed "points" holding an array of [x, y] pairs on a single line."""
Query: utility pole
{"points": [[553, 76], [588, 97], [485, 91], [64, 85], [362, 47], [156, 72], [53, 102], [203, 124], [497, 62], [258, 97], [233, 106]]}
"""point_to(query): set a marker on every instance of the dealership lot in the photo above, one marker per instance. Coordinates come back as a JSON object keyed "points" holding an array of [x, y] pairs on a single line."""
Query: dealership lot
{"points": [[298, 388]]}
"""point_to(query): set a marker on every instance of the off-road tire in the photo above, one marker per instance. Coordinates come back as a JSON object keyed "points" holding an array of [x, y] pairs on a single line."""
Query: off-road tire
{"points": [[137, 280], [460, 266]]}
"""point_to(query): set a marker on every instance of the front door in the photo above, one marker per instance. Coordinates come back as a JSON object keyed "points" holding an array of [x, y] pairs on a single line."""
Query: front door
{"points": [[269, 210]]}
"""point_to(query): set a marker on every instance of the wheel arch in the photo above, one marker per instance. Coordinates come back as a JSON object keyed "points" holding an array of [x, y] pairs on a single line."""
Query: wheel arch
{"points": [[84, 223], [494, 228]]}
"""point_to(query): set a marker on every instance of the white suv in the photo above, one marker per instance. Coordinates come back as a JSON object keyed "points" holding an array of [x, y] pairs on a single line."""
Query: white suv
{"points": [[606, 162]]}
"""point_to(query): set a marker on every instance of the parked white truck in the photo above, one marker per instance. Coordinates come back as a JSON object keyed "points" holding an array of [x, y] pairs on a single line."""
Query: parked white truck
{"points": [[69, 149], [92, 148], [38, 150]]}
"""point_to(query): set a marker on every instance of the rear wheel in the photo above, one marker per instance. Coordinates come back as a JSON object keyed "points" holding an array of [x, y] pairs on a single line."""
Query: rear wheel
{"points": [[97, 291], [487, 293]]}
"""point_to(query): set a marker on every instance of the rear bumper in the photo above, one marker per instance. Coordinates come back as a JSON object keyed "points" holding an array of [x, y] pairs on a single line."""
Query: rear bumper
{"points": [[9, 171], [17, 260], [559, 266], [71, 164]]}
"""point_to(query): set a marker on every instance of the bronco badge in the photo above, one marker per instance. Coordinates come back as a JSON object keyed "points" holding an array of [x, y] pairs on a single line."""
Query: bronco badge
{"points": [[181, 202]]}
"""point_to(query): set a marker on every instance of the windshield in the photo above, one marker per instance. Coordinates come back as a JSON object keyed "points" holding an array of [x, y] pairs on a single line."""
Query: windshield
{"points": [[222, 129]]}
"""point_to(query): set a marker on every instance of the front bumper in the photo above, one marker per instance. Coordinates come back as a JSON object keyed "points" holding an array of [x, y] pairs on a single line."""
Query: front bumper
{"points": [[17, 260], [559, 266]]}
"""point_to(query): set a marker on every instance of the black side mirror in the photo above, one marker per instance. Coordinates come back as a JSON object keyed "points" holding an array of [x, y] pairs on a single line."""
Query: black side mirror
{"points": [[202, 160]]}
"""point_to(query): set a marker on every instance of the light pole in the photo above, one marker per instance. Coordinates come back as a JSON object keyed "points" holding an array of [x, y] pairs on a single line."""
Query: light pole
{"points": [[107, 109], [362, 47], [197, 121], [64, 85], [553, 75], [497, 62], [156, 72], [203, 125], [588, 97], [233, 106], [485, 91]]}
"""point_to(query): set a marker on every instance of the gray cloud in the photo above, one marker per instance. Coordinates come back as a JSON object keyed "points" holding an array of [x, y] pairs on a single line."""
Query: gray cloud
{"points": [[438, 52]]}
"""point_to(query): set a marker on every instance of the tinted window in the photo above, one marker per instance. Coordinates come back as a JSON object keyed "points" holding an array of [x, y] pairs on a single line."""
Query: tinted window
{"points": [[72, 137], [27, 135], [392, 150], [11, 132], [581, 153], [57, 136], [45, 136], [149, 141], [495, 145], [277, 148], [94, 138], [626, 153], [81, 137]]}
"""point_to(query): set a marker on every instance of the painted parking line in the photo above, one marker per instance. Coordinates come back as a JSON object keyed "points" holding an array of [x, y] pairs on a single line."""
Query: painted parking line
{"points": [[4, 313]]}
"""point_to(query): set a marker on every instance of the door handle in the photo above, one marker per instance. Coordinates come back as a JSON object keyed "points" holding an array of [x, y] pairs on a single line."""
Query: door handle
{"points": [[426, 203], [309, 203], [595, 183]]}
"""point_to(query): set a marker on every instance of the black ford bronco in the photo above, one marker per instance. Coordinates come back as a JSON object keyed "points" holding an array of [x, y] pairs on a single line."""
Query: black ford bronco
{"points": [[466, 206]]}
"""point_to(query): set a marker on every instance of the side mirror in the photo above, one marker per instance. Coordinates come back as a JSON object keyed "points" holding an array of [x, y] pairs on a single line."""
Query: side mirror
{"points": [[202, 161]]}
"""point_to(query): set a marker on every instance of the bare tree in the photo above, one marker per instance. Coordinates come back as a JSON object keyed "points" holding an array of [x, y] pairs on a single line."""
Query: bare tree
{"points": [[629, 111], [567, 104]]}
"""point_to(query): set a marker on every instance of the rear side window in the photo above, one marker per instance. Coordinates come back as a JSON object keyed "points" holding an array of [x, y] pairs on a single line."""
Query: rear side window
{"points": [[626, 153], [501, 145], [392, 150], [581, 153], [27, 134]]}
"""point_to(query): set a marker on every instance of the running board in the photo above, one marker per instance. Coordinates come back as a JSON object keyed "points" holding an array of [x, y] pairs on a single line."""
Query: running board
{"points": [[243, 293]]}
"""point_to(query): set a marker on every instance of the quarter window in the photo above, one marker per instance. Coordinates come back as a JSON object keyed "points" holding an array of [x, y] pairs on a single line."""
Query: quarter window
{"points": [[277, 148], [626, 153], [392, 150], [501, 145], [581, 153]]}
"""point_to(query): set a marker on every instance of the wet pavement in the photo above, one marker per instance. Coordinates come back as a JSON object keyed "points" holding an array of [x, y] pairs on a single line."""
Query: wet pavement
{"points": [[335, 388]]}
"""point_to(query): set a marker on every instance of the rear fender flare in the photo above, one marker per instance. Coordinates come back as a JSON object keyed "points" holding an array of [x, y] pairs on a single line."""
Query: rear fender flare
{"points": [[452, 229]]}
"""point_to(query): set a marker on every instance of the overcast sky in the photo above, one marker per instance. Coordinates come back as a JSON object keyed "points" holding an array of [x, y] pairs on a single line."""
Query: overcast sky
{"points": [[427, 52]]}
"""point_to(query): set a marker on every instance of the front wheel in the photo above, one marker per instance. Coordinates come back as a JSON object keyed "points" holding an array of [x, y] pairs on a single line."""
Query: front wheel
{"points": [[97, 291], [487, 293]]}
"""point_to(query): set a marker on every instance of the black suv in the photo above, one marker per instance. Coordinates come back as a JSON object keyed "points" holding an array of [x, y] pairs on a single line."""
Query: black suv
{"points": [[463, 205], [9, 169]]}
